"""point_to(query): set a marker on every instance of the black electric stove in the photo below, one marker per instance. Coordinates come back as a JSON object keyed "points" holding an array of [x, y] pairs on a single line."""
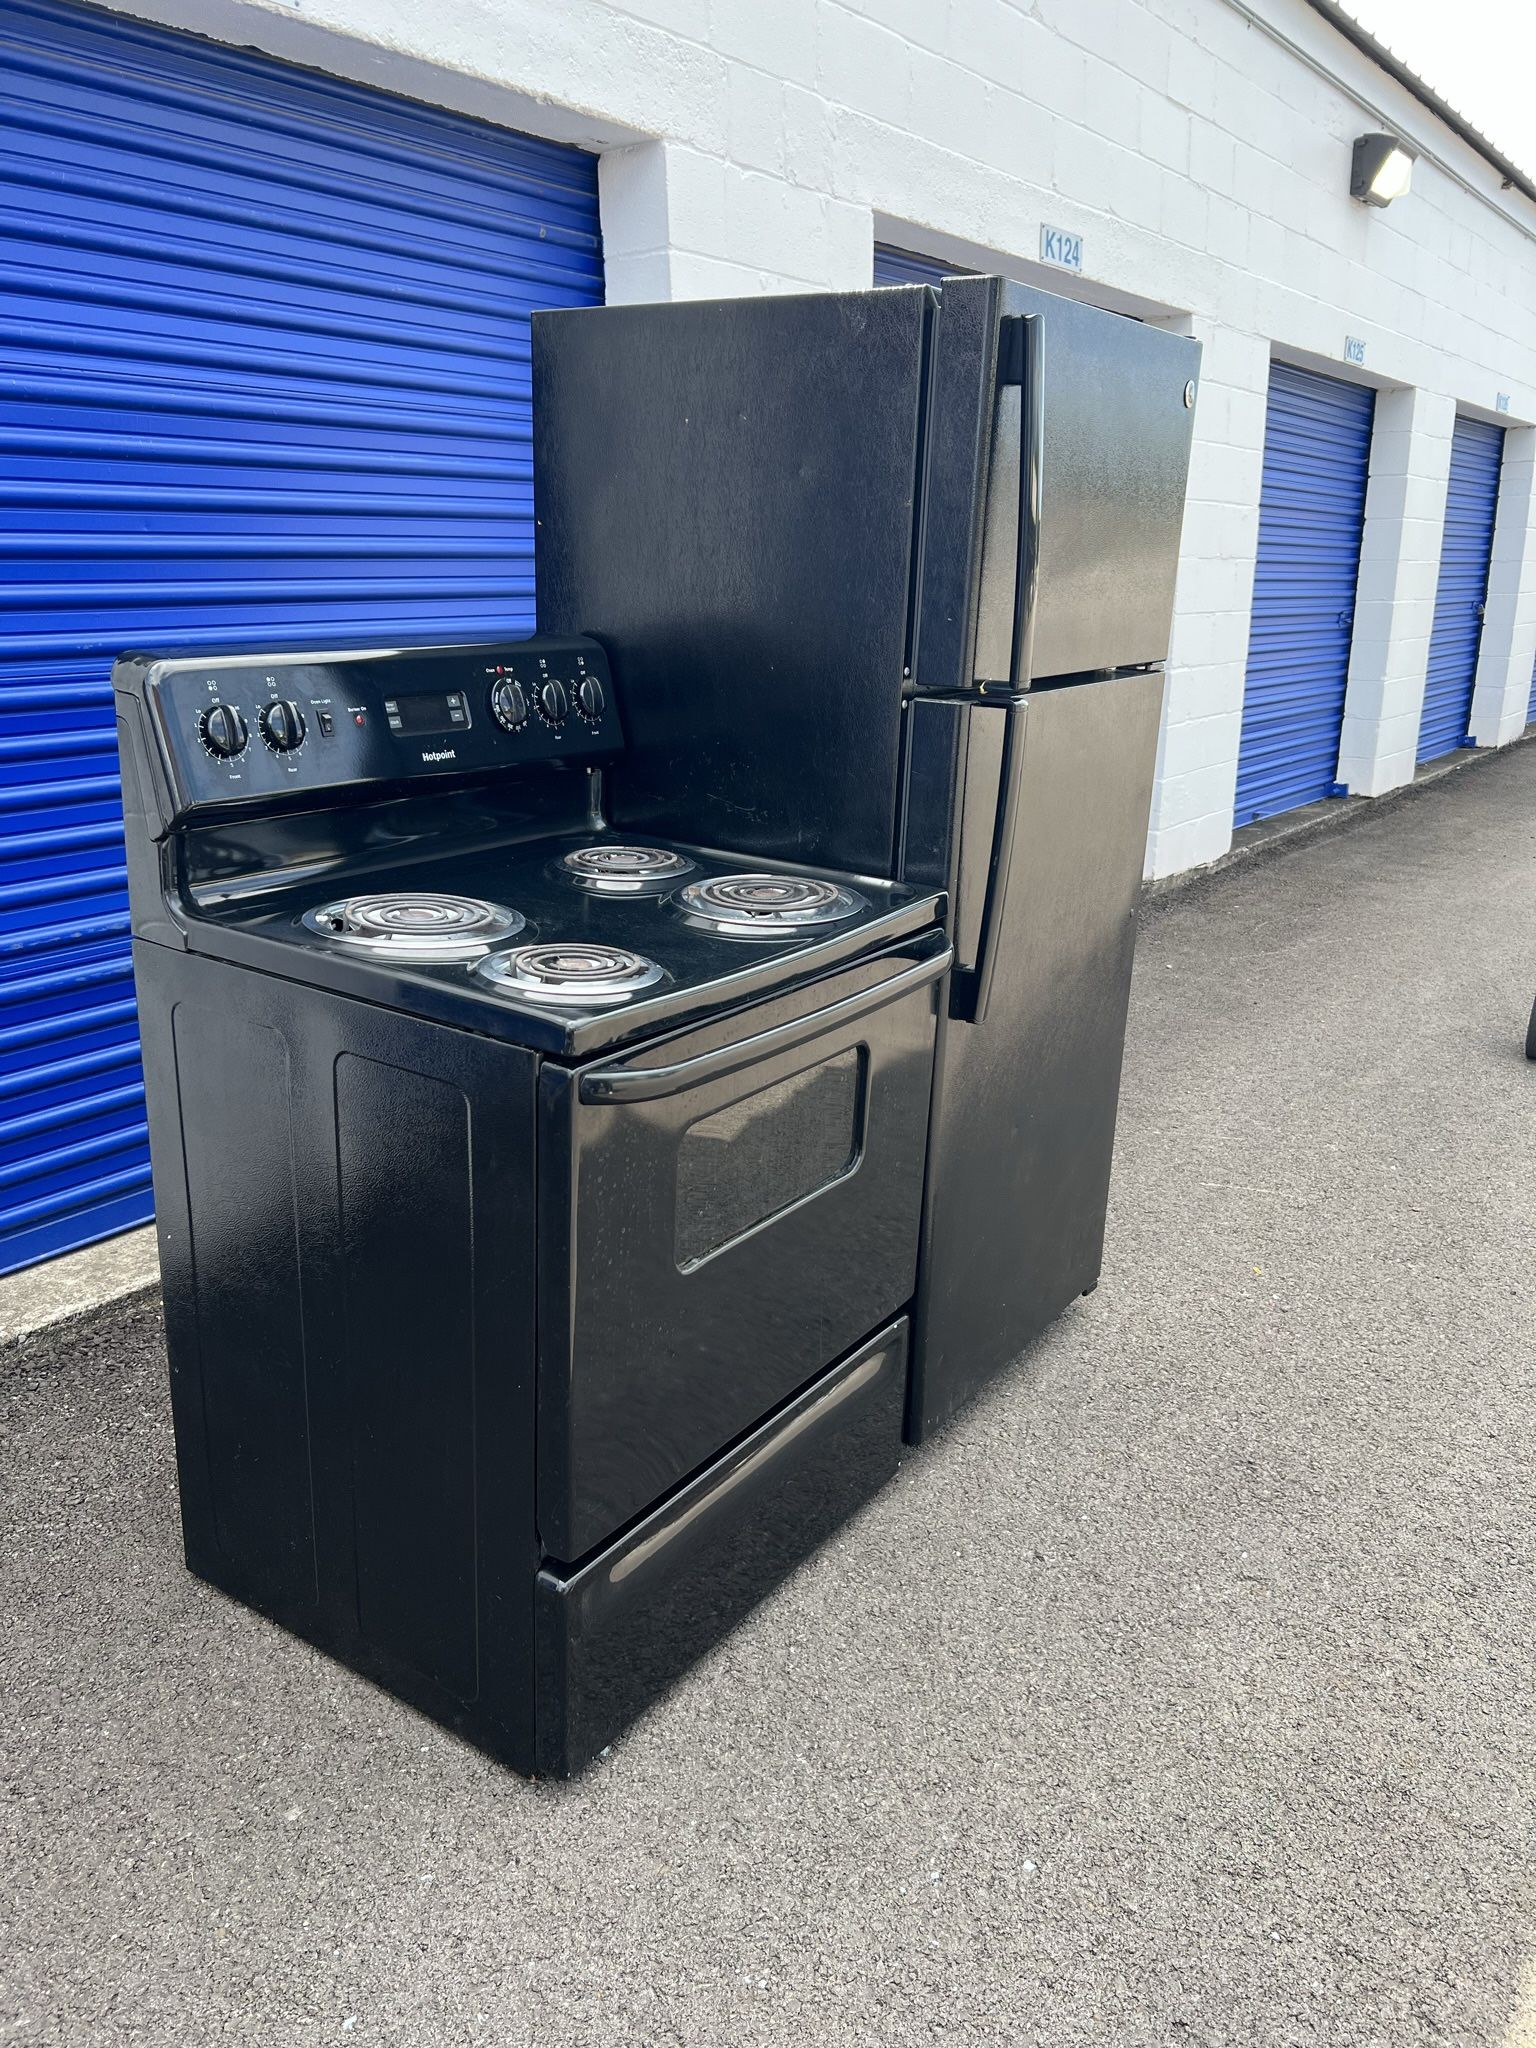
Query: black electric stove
{"points": [[538, 1203], [565, 944]]}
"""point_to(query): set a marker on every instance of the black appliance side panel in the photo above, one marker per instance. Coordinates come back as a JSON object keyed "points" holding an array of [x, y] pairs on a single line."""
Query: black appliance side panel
{"points": [[146, 810], [344, 1198], [725, 496], [234, 1072], [409, 1278], [1024, 1103]]}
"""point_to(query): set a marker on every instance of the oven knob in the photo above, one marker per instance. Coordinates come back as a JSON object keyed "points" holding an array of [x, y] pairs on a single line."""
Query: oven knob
{"points": [[509, 706], [282, 725], [223, 732], [553, 702], [590, 699]]}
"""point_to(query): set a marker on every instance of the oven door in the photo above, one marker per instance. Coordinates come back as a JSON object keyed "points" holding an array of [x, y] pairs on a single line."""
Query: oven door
{"points": [[722, 1213]]}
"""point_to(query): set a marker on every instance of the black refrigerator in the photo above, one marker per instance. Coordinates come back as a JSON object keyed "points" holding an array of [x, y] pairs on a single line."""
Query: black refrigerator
{"points": [[887, 578]]}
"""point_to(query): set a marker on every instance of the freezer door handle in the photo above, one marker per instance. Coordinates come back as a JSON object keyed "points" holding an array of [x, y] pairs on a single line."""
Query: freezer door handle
{"points": [[970, 993], [1024, 361], [655, 1084], [1007, 599]]}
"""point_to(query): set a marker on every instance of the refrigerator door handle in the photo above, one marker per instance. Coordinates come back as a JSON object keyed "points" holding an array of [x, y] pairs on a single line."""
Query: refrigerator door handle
{"points": [[971, 993]]}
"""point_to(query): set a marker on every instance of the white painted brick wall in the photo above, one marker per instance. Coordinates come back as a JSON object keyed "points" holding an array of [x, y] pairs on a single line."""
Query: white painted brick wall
{"points": [[1395, 598], [1203, 703], [1501, 700], [1202, 149]]}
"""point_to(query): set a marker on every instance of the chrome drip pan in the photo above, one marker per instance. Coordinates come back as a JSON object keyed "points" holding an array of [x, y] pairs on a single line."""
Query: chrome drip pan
{"points": [[766, 906], [576, 973], [624, 870], [414, 924]]}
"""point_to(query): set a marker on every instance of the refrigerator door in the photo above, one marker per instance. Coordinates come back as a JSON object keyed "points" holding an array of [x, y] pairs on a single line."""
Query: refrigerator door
{"points": [[1049, 792], [727, 495]]}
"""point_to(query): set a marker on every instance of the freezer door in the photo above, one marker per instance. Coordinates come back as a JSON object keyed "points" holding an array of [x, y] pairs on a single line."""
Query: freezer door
{"points": [[1052, 796], [1059, 455]]}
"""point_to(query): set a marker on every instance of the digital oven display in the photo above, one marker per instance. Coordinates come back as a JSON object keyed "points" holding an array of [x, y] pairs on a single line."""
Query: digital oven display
{"points": [[424, 712]]}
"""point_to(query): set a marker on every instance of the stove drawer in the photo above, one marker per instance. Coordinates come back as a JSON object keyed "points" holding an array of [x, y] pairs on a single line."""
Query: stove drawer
{"points": [[721, 1213], [612, 1636]]}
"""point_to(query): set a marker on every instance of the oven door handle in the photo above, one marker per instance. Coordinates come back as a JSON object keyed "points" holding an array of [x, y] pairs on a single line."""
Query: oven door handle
{"points": [[655, 1084]]}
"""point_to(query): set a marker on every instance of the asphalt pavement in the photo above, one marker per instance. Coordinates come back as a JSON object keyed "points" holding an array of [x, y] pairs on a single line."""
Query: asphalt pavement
{"points": [[1182, 1692]]}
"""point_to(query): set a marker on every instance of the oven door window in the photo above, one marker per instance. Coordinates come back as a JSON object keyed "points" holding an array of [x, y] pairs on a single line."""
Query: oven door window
{"points": [[762, 1155]]}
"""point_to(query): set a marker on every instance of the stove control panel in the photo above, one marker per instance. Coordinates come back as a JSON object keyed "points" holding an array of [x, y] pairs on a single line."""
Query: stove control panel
{"points": [[241, 727]]}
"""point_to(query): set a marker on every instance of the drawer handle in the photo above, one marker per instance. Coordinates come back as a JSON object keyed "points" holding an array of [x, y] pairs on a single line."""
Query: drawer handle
{"points": [[654, 1084]]}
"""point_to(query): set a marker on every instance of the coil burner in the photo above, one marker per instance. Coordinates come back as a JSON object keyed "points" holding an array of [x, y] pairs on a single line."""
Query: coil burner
{"points": [[578, 973], [625, 870], [415, 924], [767, 906]]}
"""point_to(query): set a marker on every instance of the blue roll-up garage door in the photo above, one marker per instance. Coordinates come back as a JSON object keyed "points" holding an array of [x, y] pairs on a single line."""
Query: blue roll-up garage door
{"points": [[1317, 453], [265, 343], [900, 266], [1471, 501]]}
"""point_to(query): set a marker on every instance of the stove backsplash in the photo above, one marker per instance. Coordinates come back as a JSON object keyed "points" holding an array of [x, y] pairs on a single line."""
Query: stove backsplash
{"points": [[228, 862]]}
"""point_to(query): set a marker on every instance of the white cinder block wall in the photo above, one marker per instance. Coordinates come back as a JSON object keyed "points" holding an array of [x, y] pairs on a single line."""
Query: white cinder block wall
{"points": [[1202, 150], [1395, 597]]}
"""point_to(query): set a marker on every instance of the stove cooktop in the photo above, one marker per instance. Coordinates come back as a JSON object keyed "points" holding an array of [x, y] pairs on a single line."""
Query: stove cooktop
{"points": [[569, 946]]}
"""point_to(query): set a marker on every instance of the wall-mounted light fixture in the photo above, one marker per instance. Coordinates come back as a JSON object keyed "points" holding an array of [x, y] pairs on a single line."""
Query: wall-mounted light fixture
{"points": [[1382, 170]]}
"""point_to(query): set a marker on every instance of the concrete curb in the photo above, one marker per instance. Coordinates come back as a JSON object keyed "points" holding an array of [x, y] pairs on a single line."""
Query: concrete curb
{"points": [[1320, 821], [64, 1290]]}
